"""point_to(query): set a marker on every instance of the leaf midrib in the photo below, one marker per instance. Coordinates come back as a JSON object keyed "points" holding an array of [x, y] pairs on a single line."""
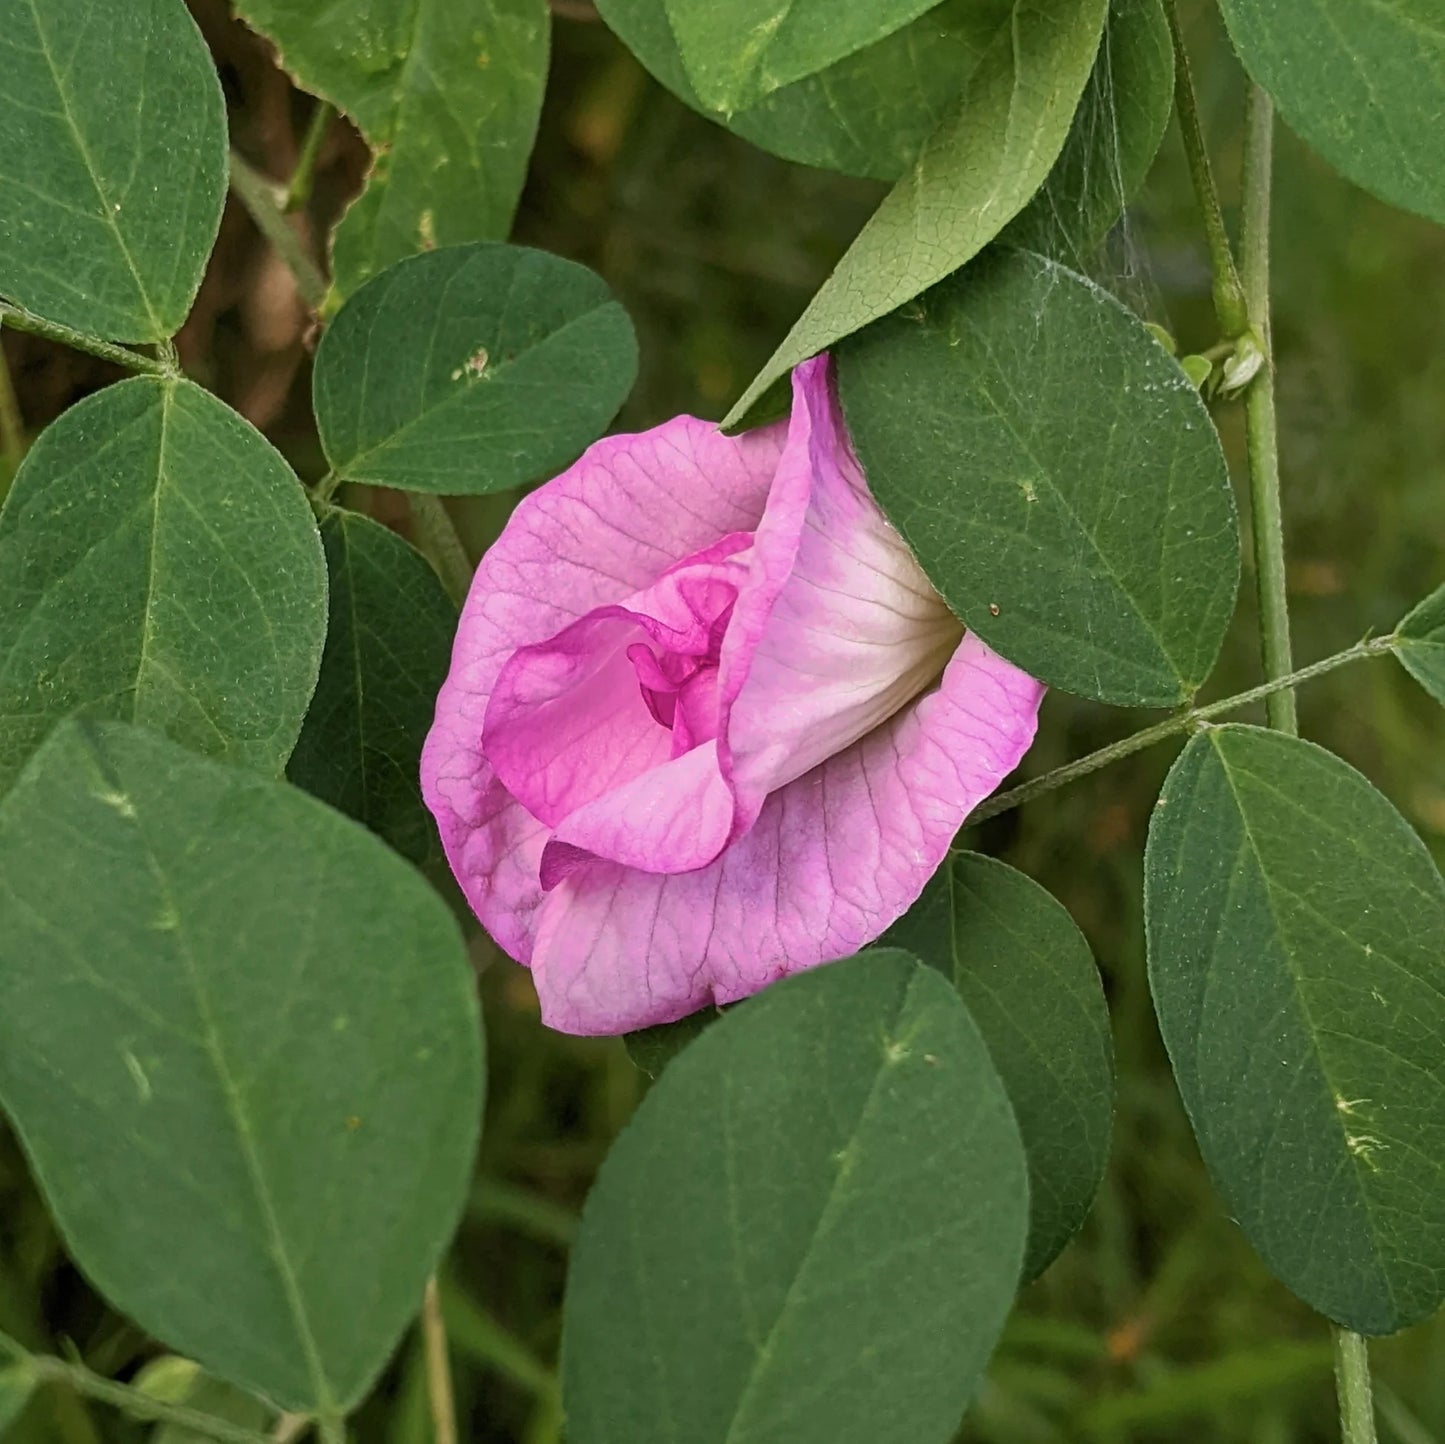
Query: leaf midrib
{"points": [[107, 214]]}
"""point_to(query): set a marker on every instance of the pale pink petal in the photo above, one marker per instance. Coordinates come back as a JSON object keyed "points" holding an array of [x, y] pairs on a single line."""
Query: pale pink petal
{"points": [[675, 818], [834, 858], [604, 529], [857, 630]]}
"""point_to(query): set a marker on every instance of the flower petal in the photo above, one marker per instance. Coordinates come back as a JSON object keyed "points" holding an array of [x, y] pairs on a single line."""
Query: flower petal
{"points": [[833, 859], [857, 630], [637, 503], [675, 818]]}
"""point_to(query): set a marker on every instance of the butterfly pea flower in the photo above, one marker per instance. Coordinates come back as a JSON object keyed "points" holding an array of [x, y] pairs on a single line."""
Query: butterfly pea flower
{"points": [[707, 722]]}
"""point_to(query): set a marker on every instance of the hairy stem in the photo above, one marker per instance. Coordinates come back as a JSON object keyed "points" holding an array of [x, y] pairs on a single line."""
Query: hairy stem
{"points": [[438, 1367], [1172, 727], [1261, 432], [436, 537], [1230, 304], [19, 319], [1352, 1383], [263, 200], [298, 192]]}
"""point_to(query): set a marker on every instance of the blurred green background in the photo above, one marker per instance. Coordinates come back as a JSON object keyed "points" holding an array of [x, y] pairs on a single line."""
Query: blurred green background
{"points": [[1158, 1323]]}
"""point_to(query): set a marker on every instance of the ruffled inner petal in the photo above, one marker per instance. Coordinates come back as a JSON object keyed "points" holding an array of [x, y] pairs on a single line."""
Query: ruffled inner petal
{"points": [[602, 732]]}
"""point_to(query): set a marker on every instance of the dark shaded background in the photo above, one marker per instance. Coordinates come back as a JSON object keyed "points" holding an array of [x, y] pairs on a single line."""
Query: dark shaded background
{"points": [[1158, 1324]]}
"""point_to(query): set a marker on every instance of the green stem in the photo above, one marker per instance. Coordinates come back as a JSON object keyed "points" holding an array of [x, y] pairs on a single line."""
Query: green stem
{"points": [[19, 319], [1229, 292], [436, 536], [12, 424], [332, 1431], [138, 1405], [1172, 727], [1352, 1383], [1261, 432], [263, 200], [299, 191], [1352, 1361]]}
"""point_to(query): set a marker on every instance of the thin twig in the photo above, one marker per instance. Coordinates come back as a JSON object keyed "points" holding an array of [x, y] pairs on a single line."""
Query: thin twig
{"points": [[19, 319], [263, 200], [436, 537], [1171, 727], [1229, 297], [438, 1367], [298, 192], [1260, 428]]}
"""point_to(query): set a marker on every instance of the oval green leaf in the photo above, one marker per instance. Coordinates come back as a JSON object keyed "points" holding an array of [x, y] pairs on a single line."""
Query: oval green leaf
{"points": [[388, 646], [1421, 644], [866, 115], [1112, 142], [737, 51], [1057, 475], [240, 1045], [1030, 984], [112, 163], [1363, 84], [976, 172], [811, 1230], [159, 564], [1295, 928], [447, 94], [471, 370]]}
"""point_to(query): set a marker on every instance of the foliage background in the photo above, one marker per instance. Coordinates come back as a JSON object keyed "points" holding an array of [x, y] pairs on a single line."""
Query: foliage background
{"points": [[1158, 1323]]}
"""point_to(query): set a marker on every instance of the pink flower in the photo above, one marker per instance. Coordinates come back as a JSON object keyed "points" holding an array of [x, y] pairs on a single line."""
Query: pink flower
{"points": [[707, 722]]}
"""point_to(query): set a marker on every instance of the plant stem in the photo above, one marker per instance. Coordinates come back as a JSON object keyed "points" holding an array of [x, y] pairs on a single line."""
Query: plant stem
{"points": [[12, 424], [438, 1367], [299, 191], [19, 319], [1172, 727], [436, 536], [1352, 1383], [1261, 433], [263, 200], [1229, 292], [1352, 1361], [133, 1402]]}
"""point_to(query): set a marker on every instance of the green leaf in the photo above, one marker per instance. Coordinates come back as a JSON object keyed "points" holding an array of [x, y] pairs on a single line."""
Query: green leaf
{"points": [[239, 1042], [17, 1384], [652, 1049], [388, 647], [1421, 645], [1057, 475], [811, 1230], [1295, 925], [112, 163], [1029, 980], [975, 173], [174, 1380], [1113, 140], [1362, 83], [741, 50], [447, 94], [159, 564], [868, 114], [471, 370]]}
